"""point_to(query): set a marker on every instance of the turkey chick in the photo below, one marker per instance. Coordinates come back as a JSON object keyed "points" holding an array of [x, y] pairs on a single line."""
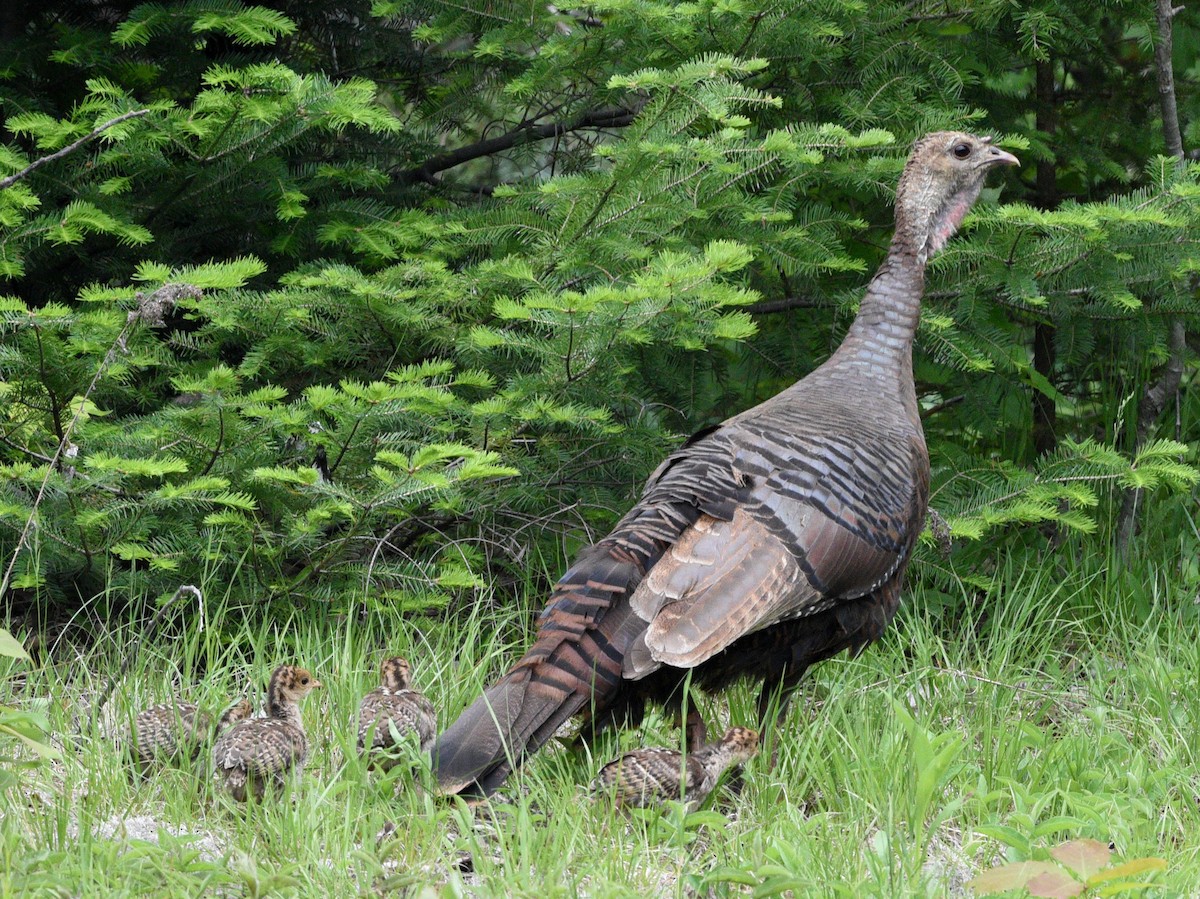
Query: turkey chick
{"points": [[175, 731], [258, 750], [390, 712], [648, 777]]}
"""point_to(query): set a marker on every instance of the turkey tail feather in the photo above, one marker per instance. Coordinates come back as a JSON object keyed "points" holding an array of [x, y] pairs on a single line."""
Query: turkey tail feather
{"points": [[576, 660], [489, 739]]}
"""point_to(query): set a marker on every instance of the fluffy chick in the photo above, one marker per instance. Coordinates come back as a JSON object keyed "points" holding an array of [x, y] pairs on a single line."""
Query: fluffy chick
{"points": [[390, 712], [175, 731], [648, 777], [252, 753]]}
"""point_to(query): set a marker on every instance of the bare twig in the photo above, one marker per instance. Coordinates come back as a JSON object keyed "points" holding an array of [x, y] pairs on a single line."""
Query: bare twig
{"points": [[523, 134], [345, 446], [943, 405], [767, 307], [70, 148], [131, 653]]}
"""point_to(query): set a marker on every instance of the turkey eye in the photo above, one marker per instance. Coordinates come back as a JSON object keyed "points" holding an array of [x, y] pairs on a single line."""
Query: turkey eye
{"points": [[303, 681], [961, 151]]}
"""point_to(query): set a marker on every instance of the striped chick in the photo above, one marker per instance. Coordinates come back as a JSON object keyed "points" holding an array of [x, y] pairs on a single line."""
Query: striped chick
{"points": [[645, 778], [176, 731], [259, 751], [390, 712]]}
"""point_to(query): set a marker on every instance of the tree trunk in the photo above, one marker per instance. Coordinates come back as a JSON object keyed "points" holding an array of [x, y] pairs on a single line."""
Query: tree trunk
{"points": [[1045, 416], [1165, 385]]}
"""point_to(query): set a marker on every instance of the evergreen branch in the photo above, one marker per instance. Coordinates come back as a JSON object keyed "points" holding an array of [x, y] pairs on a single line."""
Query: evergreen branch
{"points": [[33, 454], [70, 148], [64, 439], [640, 200], [216, 139], [772, 159], [54, 410], [65, 434], [475, 10], [280, 125], [1035, 481], [605, 195], [570, 348], [526, 133]]}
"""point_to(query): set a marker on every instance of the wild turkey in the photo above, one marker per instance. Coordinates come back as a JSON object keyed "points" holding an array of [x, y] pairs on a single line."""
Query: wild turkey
{"points": [[174, 731], [648, 777], [765, 544], [253, 752], [390, 712]]}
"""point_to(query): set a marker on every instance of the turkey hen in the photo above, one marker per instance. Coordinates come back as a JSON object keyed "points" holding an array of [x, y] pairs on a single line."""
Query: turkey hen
{"points": [[260, 750], [175, 731], [390, 712], [765, 544], [645, 778]]}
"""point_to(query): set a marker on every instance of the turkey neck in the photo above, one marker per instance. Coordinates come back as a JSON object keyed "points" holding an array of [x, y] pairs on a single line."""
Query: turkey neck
{"points": [[285, 710], [878, 346], [715, 757]]}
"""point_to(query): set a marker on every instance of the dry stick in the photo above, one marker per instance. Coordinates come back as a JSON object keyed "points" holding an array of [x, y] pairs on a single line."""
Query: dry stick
{"points": [[70, 148], [1155, 397], [132, 652]]}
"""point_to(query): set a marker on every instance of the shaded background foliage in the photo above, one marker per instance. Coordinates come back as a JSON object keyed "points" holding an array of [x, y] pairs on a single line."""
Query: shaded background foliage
{"points": [[465, 272]]}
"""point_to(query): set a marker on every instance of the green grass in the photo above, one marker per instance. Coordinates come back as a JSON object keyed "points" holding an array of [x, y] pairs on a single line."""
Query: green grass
{"points": [[1061, 706]]}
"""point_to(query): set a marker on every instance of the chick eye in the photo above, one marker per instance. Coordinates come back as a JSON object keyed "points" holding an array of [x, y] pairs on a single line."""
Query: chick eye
{"points": [[304, 681], [961, 151]]}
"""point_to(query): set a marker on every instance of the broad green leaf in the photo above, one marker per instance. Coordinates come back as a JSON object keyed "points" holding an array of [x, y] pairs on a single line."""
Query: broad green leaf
{"points": [[10, 646], [42, 750]]}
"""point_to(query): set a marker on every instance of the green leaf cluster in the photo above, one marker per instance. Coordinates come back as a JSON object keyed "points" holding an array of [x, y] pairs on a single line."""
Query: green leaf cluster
{"points": [[25, 728], [421, 289]]}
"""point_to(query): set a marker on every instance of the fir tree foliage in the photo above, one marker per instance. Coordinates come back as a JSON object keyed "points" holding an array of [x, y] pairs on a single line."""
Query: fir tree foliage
{"points": [[439, 284]]}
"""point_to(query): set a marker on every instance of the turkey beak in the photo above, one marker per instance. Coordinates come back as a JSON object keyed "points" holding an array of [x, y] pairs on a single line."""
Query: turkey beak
{"points": [[317, 683], [996, 156]]}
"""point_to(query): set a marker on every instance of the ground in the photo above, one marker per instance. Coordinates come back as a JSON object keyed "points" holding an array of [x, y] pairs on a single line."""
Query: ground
{"points": [[952, 746]]}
